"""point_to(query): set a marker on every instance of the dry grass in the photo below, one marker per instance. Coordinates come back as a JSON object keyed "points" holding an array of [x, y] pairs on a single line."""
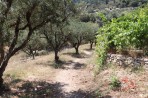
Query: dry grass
{"points": [[23, 67], [25, 75], [135, 86]]}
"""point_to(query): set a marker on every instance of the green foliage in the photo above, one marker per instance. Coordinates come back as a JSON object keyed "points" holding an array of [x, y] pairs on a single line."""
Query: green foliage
{"points": [[81, 32], [22, 18], [56, 36], [37, 42], [88, 17], [130, 30], [115, 83], [101, 49], [78, 31], [91, 31], [118, 3], [103, 17], [126, 32]]}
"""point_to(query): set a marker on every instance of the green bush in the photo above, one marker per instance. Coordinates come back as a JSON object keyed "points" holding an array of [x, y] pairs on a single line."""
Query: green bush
{"points": [[115, 84], [126, 32]]}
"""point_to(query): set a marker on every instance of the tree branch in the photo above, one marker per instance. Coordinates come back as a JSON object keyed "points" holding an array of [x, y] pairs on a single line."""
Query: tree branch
{"points": [[15, 38]]}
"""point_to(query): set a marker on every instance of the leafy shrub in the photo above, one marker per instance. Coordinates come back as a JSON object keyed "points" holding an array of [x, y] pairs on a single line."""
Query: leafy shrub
{"points": [[126, 32], [115, 83]]}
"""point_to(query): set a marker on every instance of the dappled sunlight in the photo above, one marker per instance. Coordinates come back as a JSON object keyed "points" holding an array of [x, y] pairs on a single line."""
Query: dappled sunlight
{"points": [[73, 49], [20, 88]]}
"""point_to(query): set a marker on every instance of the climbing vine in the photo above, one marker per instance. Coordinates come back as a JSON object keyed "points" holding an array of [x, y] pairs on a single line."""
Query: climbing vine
{"points": [[126, 32]]}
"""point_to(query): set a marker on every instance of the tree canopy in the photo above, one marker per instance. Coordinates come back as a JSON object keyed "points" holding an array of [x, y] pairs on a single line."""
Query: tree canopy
{"points": [[24, 17]]}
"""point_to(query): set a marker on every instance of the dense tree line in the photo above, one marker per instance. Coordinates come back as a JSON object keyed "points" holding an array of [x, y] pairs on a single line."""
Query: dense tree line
{"points": [[117, 3]]}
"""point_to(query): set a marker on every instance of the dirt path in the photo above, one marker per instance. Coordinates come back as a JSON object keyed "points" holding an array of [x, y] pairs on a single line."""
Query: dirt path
{"points": [[75, 77], [38, 77]]}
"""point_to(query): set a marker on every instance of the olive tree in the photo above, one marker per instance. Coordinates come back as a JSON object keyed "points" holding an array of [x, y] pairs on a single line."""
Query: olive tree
{"points": [[56, 32], [21, 16], [56, 37], [78, 33], [91, 33], [35, 44]]}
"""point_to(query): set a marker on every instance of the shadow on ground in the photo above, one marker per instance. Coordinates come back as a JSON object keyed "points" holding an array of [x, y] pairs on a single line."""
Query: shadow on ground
{"points": [[32, 89], [81, 55], [90, 49], [69, 65], [41, 89], [85, 94], [64, 65], [80, 94]]}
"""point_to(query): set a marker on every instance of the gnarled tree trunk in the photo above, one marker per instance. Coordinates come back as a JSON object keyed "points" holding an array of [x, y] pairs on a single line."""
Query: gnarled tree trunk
{"points": [[56, 56], [2, 53], [2, 69], [77, 50], [91, 45], [76, 46]]}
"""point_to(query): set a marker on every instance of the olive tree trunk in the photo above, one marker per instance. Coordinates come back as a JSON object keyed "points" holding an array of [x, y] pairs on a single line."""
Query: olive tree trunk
{"points": [[56, 56], [3, 65], [91, 45], [76, 46]]}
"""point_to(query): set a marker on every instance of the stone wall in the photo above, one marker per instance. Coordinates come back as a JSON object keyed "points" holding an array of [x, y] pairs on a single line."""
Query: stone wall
{"points": [[124, 60]]}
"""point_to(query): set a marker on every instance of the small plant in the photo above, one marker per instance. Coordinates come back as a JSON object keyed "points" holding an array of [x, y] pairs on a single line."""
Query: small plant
{"points": [[115, 84], [98, 94]]}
